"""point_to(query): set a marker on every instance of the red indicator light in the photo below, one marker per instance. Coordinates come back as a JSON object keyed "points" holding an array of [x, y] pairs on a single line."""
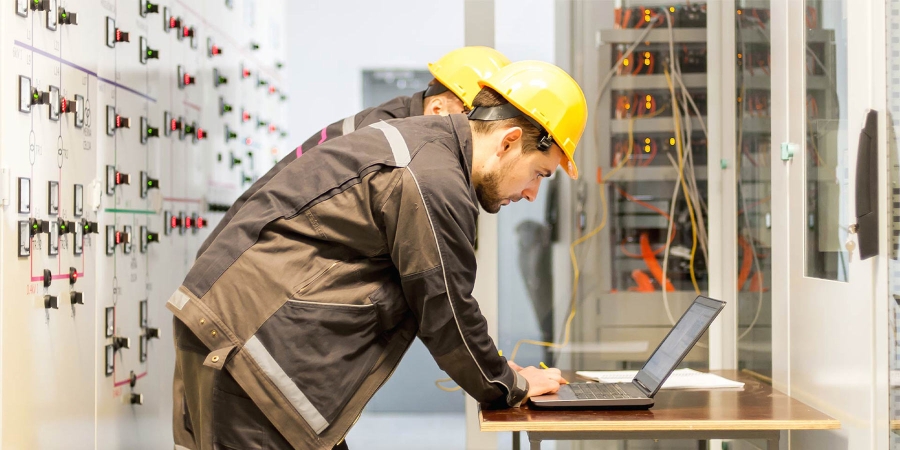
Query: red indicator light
{"points": [[248, 141], [245, 116], [118, 237], [246, 73], [172, 23], [215, 49], [187, 222], [118, 35], [187, 79], [271, 128], [118, 178], [271, 89], [174, 125], [201, 222], [174, 222], [64, 104], [200, 133], [118, 121]]}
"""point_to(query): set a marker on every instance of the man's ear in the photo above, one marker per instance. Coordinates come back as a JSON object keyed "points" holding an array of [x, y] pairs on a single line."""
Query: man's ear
{"points": [[511, 136], [435, 105]]}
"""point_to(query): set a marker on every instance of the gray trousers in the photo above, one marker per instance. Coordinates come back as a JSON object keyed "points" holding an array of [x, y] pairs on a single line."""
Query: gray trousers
{"points": [[211, 411]]}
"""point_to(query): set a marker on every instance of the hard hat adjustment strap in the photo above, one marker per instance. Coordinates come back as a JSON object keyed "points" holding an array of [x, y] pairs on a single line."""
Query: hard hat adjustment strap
{"points": [[509, 111], [435, 89]]}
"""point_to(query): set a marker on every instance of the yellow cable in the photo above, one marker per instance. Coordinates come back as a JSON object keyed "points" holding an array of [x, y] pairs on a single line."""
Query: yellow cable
{"points": [[631, 141], [687, 195]]}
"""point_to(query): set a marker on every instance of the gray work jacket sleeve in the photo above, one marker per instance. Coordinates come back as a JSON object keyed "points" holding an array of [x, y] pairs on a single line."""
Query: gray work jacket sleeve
{"points": [[429, 219]]}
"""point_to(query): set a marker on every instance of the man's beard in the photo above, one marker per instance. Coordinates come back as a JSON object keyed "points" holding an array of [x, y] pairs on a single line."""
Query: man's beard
{"points": [[488, 192]]}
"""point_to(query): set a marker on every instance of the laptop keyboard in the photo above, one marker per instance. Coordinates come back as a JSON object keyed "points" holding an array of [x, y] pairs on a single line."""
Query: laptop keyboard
{"points": [[599, 390]]}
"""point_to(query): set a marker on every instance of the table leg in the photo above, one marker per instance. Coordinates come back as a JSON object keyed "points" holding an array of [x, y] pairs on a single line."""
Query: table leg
{"points": [[535, 442], [772, 441], [517, 440]]}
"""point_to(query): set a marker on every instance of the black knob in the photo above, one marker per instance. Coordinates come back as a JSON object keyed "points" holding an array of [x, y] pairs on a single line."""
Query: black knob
{"points": [[152, 333], [120, 342], [77, 298], [137, 399], [73, 275], [51, 302], [48, 277], [39, 226]]}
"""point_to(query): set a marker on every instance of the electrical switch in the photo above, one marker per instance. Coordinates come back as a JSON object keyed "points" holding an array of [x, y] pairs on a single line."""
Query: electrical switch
{"points": [[147, 131], [115, 121], [229, 134], [197, 132], [146, 52], [47, 278], [67, 18], [245, 115], [120, 342], [184, 78], [173, 222], [147, 183], [246, 179], [124, 237], [66, 227], [89, 227], [187, 32], [254, 46], [170, 22], [279, 64], [148, 8], [224, 107], [245, 72], [40, 5], [136, 399], [147, 238], [115, 178], [261, 123], [261, 82], [272, 90], [212, 49], [174, 124], [272, 128], [38, 226], [200, 223], [283, 97], [67, 106], [114, 35], [188, 222], [235, 161], [51, 302], [54, 103], [218, 79], [152, 333], [76, 298], [73, 275]]}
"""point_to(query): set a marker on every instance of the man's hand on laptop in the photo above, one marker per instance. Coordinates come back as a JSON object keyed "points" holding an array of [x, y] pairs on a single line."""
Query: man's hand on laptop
{"points": [[540, 381]]}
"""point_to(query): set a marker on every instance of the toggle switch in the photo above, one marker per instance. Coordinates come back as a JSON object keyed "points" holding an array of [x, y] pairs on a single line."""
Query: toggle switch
{"points": [[66, 227], [136, 399], [197, 132], [47, 278], [148, 8], [272, 90], [40, 5], [115, 178], [187, 32], [245, 115], [229, 134], [184, 78], [200, 223], [218, 79], [261, 123], [272, 128], [67, 106], [224, 107], [235, 161], [254, 46], [120, 342], [147, 238], [152, 333], [245, 72], [76, 298], [114, 35], [147, 131], [279, 65], [89, 227], [115, 121], [146, 52], [51, 302], [38, 226], [170, 22], [261, 82], [147, 183], [67, 18], [73, 275], [283, 97], [212, 49], [246, 179]]}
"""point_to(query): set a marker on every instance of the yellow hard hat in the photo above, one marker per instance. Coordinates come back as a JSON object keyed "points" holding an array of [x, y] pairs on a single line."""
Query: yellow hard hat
{"points": [[460, 71], [549, 97]]}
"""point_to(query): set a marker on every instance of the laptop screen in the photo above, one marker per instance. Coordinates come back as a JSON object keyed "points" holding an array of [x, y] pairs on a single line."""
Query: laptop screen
{"points": [[678, 342]]}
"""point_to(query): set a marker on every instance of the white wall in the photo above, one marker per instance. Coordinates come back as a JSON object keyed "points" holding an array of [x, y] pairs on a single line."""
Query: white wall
{"points": [[334, 40]]}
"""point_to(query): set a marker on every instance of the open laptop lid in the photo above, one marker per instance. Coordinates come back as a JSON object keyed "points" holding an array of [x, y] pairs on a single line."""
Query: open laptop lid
{"points": [[677, 344]]}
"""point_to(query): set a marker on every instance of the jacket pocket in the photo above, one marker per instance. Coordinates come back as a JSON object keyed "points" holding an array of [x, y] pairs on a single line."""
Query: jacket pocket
{"points": [[324, 349], [390, 304], [306, 284]]}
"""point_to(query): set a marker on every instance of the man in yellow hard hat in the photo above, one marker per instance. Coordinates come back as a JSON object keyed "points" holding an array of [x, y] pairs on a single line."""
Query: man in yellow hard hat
{"points": [[455, 83], [298, 313]]}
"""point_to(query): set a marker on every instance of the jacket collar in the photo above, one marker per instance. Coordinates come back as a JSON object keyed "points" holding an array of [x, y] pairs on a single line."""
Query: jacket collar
{"points": [[417, 104]]}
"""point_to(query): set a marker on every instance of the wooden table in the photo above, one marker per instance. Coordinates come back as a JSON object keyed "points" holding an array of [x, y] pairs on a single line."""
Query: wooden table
{"points": [[754, 412]]}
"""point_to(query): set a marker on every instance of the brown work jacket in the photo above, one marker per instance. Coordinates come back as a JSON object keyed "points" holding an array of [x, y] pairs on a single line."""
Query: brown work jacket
{"points": [[397, 108], [315, 289]]}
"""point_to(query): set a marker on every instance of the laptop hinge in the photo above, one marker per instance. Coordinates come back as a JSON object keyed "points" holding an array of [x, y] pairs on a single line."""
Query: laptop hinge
{"points": [[642, 387]]}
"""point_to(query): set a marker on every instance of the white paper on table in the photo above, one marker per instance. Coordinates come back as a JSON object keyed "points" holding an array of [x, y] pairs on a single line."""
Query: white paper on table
{"points": [[680, 379]]}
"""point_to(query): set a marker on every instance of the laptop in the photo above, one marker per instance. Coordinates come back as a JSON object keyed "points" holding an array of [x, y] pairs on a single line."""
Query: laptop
{"points": [[640, 391]]}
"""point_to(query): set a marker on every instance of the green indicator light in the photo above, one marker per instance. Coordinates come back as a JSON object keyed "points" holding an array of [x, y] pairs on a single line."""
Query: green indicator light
{"points": [[149, 52], [150, 237], [35, 95], [63, 15]]}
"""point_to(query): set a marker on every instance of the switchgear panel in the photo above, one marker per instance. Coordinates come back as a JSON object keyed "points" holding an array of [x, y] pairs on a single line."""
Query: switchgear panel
{"points": [[114, 116]]}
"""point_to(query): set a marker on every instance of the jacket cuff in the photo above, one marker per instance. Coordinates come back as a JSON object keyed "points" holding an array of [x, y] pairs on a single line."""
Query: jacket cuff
{"points": [[518, 391]]}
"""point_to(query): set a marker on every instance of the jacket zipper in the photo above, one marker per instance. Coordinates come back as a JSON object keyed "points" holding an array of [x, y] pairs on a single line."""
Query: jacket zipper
{"points": [[313, 280]]}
